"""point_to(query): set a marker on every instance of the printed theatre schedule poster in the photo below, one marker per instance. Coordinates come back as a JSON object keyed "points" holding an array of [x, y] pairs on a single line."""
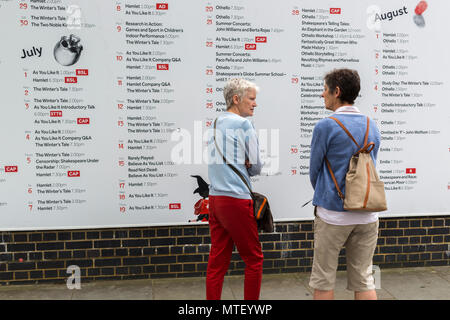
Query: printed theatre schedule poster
{"points": [[107, 105]]}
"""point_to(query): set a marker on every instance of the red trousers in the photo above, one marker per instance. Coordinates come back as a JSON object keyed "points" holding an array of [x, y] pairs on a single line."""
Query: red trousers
{"points": [[231, 221]]}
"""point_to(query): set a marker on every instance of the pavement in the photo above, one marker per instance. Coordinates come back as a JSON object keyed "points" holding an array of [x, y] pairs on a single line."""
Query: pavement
{"points": [[430, 283]]}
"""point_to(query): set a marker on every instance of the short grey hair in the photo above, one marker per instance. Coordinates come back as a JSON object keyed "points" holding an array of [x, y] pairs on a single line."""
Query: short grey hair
{"points": [[237, 87]]}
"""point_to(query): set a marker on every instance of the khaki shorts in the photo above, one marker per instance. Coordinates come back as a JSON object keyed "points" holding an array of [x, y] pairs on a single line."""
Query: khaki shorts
{"points": [[360, 242]]}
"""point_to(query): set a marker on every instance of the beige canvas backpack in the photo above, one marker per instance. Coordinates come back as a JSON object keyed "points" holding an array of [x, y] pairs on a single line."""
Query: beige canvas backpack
{"points": [[363, 189]]}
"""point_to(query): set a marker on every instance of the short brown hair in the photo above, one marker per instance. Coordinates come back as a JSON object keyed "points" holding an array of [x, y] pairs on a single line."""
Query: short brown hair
{"points": [[347, 80]]}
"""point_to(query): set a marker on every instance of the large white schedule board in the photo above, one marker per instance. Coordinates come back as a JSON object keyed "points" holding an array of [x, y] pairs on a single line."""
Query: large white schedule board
{"points": [[106, 105]]}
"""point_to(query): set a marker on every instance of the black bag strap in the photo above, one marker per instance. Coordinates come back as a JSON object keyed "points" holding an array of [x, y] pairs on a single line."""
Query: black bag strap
{"points": [[225, 159]]}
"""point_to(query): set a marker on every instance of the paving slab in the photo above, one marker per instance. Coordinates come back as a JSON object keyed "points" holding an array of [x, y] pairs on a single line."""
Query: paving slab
{"points": [[185, 289], [114, 290], [444, 272], [431, 283], [35, 292], [416, 284], [274, 287]]}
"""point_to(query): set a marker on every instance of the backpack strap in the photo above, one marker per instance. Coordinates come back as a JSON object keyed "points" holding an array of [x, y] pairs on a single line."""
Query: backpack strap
{"points": [[367, 148], [348, 132], [341, 195], [367, 132]]}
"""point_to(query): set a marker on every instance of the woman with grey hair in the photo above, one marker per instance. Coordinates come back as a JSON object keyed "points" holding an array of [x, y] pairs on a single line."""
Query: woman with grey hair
{"points": [[231, 219]]}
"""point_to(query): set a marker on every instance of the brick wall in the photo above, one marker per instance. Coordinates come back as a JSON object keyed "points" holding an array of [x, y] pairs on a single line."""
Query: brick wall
{"points": [[170, 252]]}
